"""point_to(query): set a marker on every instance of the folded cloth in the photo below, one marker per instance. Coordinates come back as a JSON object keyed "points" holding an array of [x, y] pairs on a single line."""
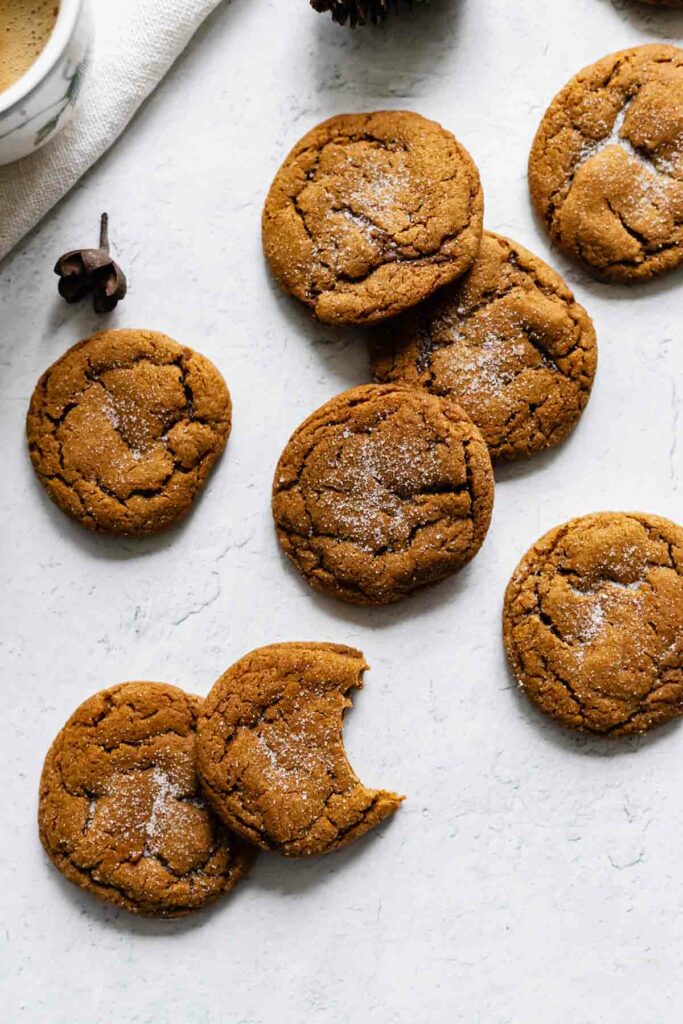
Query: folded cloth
{"points": [[136, 41]]}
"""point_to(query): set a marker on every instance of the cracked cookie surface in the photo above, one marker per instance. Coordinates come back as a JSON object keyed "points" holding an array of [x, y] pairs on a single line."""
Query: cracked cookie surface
{"points": [[121, 813], [383, 490], [606, 166], [507, 342], [124, 429], [270, 751], [370, 214], [593, 623]]}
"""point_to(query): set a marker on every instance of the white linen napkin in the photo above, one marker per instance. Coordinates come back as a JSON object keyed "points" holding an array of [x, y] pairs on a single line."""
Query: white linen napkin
{"points": [[136, 41]]}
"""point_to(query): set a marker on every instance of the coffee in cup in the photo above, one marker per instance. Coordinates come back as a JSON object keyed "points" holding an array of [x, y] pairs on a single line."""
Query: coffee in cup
{"points": [[25, 27]]}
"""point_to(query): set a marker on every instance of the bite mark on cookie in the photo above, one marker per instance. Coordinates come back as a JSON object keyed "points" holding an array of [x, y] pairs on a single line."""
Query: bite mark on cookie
{"points": [[271, 754]]}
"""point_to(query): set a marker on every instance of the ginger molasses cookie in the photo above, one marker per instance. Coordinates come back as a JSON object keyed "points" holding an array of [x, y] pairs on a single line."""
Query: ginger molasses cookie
{"points": [[121, 813], [508, 342], [370, 214], [123, 430], [383, 490], [270, 752], [593, 623], [606, 167]]}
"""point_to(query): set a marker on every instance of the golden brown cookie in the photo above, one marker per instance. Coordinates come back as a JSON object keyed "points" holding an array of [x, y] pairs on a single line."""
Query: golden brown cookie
{"points": [[593, 623], [606, 167], [123, 430], [383, 490], [121, 813], [507, 342], [270, 752], [370, 214]]}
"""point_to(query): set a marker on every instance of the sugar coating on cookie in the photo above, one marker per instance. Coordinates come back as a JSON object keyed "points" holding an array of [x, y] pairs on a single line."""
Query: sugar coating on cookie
{"points": [[270, 751], [383, 490], [508, 342], [121, 813], [606, 166], [124, 429], [370, 214], [593, 623]]}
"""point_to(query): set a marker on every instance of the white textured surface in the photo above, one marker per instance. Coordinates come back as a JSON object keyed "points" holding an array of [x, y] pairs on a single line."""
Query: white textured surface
{"points": [[531, 877]]}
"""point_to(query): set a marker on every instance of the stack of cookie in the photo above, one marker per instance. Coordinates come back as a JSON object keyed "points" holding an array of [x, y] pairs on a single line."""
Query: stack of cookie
{"points": [[157, 801], [481, 352]]}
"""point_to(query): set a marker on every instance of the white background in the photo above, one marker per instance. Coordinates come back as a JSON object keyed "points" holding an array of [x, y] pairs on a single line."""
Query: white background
{"points": [[531, 877]]}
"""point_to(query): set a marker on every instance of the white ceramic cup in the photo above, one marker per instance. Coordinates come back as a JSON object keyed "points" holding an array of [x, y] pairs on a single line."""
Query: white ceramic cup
{"points": [[42, 101]]}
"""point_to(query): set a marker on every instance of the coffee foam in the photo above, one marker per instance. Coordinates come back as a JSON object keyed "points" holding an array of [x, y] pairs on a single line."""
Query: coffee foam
{"points": [[25, 27]]}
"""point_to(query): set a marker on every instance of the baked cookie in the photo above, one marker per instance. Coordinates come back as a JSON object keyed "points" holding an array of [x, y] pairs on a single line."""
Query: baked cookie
{"points": [[507, 342], [383, 490], [593, 623], [370, 214], [270, 752], [124, 429], [606, 167], [121, 814]]}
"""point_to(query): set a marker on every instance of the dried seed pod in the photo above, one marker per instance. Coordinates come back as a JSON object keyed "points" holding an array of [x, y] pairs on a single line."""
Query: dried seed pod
{"points": [[360, 12], [85, 271]]}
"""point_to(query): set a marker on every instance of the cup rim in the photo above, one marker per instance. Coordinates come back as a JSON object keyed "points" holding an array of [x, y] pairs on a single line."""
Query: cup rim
{"points": [[50, 55]]}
